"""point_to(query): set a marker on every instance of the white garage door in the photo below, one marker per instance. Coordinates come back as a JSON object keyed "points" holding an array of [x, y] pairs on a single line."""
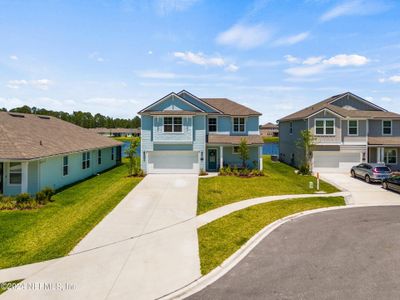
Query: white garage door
{"points": [[335, 161], [179, 162]]}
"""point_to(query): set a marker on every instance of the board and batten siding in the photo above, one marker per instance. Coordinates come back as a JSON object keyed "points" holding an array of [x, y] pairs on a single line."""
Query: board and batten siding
{"points": [[288, 142]]}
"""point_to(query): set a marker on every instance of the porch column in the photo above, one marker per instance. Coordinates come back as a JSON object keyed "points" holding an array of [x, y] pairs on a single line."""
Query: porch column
{"points": [[378, 155], [24, 177], [260, 164], [382, 154], [221, 157]]}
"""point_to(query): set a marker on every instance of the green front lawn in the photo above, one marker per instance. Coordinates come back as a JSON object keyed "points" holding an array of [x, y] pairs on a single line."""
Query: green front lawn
{"points": [[4, 286], [221, 238], [53, 230], [271, 139], [279, 179]]}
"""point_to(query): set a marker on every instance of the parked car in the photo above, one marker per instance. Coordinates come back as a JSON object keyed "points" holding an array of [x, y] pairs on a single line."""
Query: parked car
{"points": [[392, 183], [371, 172]]}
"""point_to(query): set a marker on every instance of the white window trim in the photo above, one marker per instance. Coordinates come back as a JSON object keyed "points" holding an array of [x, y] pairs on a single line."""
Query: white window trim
{"points": [[172, 132], [233, 150], [348, 128], [88, 158], [63, 165], [9, 175], [291, 128], [391, 127], [390, 149], [99, 151], [324, 120], [233, 124], [216, 124]]}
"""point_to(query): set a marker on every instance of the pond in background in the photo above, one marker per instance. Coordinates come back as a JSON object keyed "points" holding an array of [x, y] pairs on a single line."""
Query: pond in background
{"points": [[271, 149], [268, 149]]}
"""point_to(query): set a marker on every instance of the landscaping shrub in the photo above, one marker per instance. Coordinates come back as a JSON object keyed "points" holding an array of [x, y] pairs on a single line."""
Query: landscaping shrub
{"points": [[304, 170], [22, 198], [227, 171], [49, 193], [6, 203], [203, 172]]}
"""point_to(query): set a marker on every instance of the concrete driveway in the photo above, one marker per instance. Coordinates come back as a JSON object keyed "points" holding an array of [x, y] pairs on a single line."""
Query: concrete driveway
{"points": [[146, 247], [342, 254], [362, 192]]}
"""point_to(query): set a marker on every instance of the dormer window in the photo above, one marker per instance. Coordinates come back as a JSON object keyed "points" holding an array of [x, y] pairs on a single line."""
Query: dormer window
{"points": [[387, 127], [239, 125]]}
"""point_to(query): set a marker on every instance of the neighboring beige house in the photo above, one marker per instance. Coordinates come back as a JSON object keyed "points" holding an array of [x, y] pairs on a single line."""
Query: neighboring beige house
{"points": [[348, 130], [269, 130]]}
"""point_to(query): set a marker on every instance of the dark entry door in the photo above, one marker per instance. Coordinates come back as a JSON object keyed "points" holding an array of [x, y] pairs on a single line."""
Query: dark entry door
{"points": [[212, 159], [1, 178]]}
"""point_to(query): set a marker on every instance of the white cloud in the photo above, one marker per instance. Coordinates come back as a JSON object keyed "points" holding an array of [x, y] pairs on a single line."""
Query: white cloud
{"points": [[41, 84], [13, 57], [200, 59], [386, 99], [244, 36], [96, 57], [354, 7], [312, 60], [344, 60], [164, 7], [305, 71], [149, 52], [232, 68], [395, 78], [292, 59], [293, 39], [316, 64]]}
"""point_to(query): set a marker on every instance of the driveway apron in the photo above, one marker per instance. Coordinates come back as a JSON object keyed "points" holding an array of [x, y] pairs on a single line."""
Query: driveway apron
{"points": [[362, 193], [145, 248]]}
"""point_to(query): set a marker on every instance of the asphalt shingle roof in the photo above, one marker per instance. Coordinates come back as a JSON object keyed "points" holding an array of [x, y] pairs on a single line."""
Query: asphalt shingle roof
{"points": [[26, 136]]}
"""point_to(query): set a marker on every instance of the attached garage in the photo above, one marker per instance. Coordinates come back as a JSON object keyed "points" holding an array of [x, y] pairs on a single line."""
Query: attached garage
{"points": [[335, 161], [179, 162]]}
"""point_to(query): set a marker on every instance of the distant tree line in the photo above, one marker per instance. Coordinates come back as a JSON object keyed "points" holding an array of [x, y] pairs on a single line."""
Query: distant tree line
{"points": [[83, 119]]}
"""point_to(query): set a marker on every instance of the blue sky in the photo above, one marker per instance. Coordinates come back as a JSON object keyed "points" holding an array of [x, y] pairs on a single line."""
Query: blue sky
{"points": [[116, 57]]}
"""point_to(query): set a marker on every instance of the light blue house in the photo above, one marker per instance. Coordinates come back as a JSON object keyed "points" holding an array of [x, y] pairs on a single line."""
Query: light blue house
{"points": [[41, 151], [182, 133]]}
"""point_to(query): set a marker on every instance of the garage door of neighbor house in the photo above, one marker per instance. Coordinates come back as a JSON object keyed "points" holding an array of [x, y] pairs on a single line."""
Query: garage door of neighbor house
{"points": [[179, 162], [335, 161]]}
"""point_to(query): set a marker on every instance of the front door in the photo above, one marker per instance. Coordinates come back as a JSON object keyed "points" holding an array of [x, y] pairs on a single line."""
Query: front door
{"points": [[1, 178], [212, 159]]}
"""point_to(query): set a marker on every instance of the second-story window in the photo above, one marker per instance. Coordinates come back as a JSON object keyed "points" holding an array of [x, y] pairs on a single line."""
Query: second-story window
{"points": [[353, 127], [173, 124], [325, 127], [291, 128], [387, 127], [238, 124], [212, 124]]}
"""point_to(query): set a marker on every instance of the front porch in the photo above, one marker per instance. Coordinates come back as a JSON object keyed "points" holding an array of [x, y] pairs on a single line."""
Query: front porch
{"points": [[218, 156], [387, 154]]}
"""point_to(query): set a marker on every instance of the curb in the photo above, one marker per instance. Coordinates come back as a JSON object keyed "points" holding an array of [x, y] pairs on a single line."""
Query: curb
{"points": [[204, 281]]}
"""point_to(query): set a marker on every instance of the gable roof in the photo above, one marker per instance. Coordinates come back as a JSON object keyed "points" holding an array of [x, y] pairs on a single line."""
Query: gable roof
{"points": [[148, 108], [328, 104], [26, 136], [222, 106], [229, 107]]}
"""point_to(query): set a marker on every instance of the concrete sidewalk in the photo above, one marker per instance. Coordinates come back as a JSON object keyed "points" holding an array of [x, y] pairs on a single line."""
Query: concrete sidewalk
{"points": [[146, 247]]}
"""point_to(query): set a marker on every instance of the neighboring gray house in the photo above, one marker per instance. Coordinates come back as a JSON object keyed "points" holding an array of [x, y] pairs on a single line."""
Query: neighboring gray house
{"points": [[41, 151], [182, 133], [348, 130]]}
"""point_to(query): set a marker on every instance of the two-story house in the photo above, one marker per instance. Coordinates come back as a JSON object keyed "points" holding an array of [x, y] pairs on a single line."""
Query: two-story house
{"points": [[182, 133], [348, 130]]}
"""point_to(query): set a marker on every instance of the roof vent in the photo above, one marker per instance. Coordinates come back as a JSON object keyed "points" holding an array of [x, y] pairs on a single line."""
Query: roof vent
{"points": [[44, 117], [16, 115]]}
